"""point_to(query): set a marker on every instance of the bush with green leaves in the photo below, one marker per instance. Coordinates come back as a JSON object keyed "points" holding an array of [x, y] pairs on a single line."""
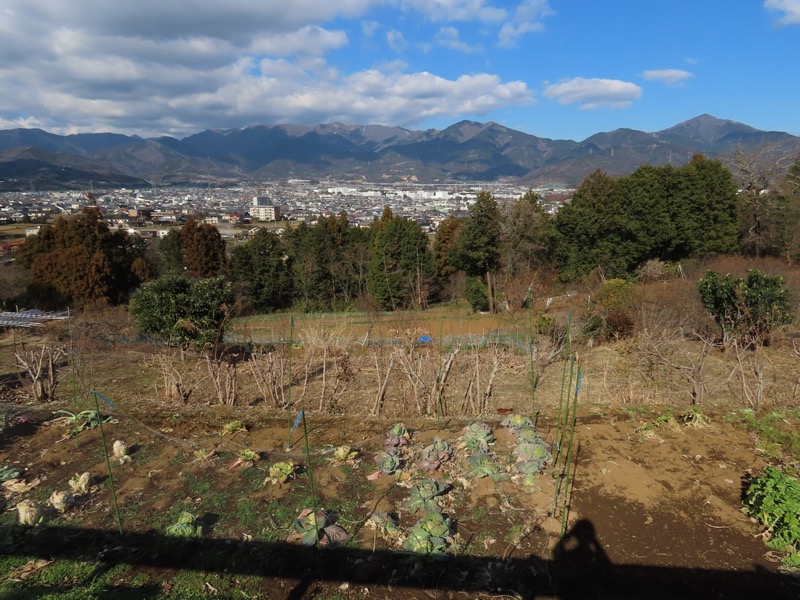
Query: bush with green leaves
{"points": [[746, 309], [774, 499], [184, 311], [476, 294], [615, 294]]}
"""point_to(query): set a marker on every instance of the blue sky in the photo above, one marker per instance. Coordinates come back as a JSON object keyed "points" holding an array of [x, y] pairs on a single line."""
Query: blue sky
{"points": [[559, 69]]}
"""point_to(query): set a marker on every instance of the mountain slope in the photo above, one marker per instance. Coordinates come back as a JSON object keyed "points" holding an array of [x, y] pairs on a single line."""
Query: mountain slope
{"points": [[467, 150]]}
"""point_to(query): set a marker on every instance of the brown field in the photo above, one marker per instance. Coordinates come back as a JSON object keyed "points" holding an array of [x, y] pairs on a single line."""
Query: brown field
{"points": [[654, 505]]}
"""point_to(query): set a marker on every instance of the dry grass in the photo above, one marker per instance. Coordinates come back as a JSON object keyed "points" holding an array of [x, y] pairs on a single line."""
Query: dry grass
{"points": [[670, 356]]}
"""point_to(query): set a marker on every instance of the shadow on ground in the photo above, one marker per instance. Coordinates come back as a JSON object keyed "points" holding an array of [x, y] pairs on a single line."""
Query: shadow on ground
{"points": [[579, 568]]}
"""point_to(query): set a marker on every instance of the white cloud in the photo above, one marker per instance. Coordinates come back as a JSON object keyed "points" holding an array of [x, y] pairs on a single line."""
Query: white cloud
{"points": [[527, 18], [306, 40], [154, 67], [594, 93], [396, 40], [456, 10], [671, 77], [368, 28], [789, 8], [369, 96], [449, 37]]}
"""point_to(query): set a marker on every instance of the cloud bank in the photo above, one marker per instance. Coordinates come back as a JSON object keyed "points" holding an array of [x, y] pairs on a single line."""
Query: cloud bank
{"points": [[153, 67]]}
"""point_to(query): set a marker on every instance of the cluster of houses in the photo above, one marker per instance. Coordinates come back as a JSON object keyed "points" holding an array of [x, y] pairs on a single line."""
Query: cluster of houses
{"points": [[240, 211]]}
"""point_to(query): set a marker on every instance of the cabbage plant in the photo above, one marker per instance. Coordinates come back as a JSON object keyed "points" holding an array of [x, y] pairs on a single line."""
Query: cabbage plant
{"points": [[185, 527], [120, 450], [387, 463], [516, 422], [312, 527], [281, 472], [482, 465], [429, 535], [7, 473], [61, 501], [536, 450], [434, 455], [478, 436], [526, 434], [244, 458], [29, 513], [396, 437], [425, 495], [386, 524], [344, 454], [80, 483]]}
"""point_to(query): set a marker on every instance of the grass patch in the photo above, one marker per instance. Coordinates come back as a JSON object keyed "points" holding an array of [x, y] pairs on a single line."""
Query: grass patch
{"points": [[777, 435]]}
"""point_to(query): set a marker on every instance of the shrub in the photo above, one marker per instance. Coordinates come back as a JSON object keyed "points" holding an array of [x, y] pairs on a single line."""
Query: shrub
{"points": [[615, 294], [774, 499], [184, 311], [653, 270], [619, 324], [747, 309], [477, 295]]}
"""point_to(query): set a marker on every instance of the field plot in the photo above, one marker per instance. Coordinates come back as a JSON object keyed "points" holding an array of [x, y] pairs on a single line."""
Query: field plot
{"points": [[314, 490]]}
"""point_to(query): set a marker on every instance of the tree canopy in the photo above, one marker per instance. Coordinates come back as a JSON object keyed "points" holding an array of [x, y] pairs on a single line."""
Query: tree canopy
{"points": [[184, 311], [661, 213], [79, 261], [401, 269], [261, 270]]}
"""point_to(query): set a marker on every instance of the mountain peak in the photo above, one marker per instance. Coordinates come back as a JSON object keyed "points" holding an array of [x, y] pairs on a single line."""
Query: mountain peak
{"points": [[706, 129]]}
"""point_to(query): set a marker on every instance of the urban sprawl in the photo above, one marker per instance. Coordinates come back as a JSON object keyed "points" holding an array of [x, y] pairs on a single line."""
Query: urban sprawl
{"points": [[151, 211]]}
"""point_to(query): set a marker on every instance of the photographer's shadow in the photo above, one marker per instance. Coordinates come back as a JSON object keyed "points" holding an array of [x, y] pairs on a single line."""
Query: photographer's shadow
{"points": [[582, 566]]}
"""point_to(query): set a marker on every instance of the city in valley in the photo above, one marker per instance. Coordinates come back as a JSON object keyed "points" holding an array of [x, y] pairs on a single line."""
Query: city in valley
{"points": [[232, 209]]}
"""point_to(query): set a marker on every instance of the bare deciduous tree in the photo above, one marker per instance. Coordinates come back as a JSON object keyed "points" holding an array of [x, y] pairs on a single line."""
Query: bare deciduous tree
{"points": [[224, 376], [271, 373], [175, 386], [40, 371]]}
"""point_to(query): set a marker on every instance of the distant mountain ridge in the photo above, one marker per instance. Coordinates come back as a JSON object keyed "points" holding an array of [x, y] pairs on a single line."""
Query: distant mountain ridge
{"points": [[465, 151]]}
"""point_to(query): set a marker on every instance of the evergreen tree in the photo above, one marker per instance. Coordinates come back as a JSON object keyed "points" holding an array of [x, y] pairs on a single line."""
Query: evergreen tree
{"points": [[79, 261], [202, 249], [587, 227], [170, 252], [656, 212], [401, 267], [705, 209], [444, 246], [526, 237], [477, 248], [260, 268]]}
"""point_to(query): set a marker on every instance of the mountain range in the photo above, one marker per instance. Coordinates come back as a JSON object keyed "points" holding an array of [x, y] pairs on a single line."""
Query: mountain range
{"points": [[465, 151]]}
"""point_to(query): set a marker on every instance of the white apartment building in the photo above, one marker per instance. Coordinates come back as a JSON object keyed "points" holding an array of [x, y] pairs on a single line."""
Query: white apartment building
{"points": [[263, 209]]}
